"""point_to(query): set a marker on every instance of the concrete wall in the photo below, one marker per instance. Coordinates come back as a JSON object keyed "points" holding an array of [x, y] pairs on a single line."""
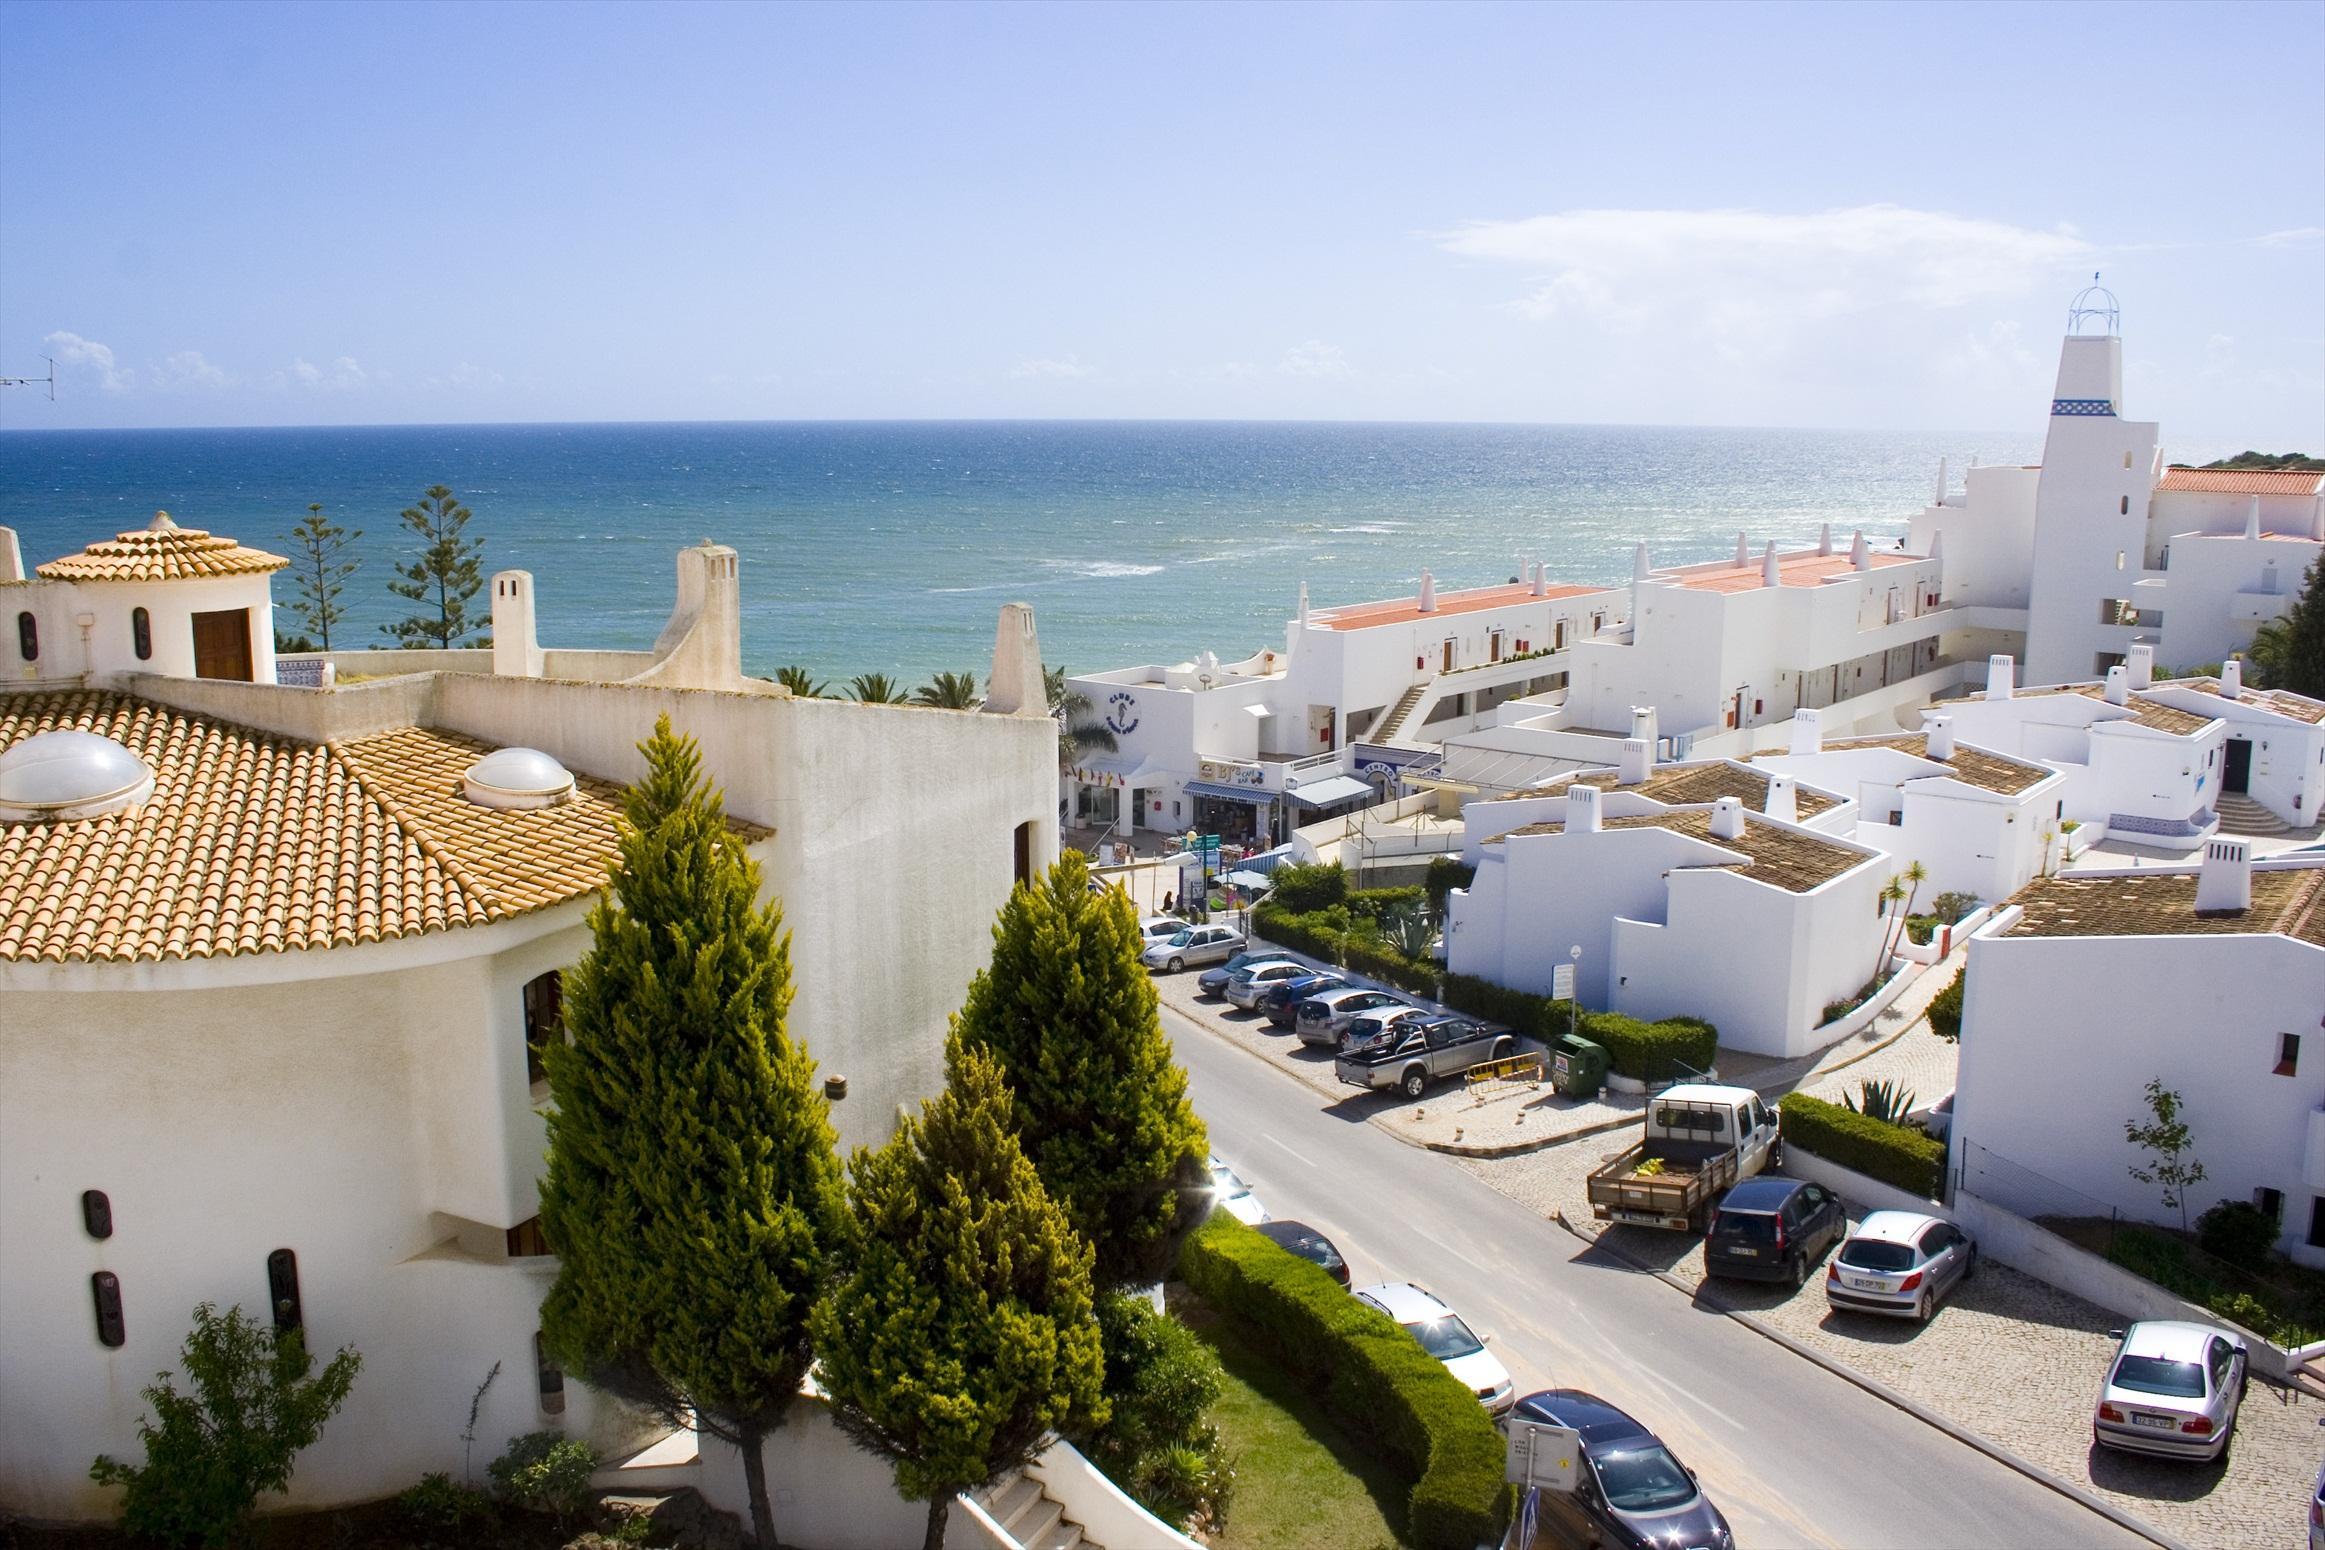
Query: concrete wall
{"points": [[824, 1490]]}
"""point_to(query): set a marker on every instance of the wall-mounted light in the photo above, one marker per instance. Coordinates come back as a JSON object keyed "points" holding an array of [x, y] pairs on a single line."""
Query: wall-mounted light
{"points": [[105, 1290], [96, 1214]]}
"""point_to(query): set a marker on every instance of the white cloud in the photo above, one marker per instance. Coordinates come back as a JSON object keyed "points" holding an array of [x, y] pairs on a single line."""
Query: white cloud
{"points": [[1316, 359], [341, 376], [2295, 237], [1068, 366], [187, 371], [73, 352], [1747, 272]]}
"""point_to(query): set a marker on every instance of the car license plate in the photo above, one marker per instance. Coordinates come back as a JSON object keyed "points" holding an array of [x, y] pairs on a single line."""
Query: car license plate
{"points": [[2162, 1423], [1862, 1284], [1745, 1253]]}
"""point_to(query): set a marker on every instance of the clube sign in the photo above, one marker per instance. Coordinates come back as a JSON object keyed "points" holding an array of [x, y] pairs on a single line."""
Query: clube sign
{"points": [[1121, 713]]}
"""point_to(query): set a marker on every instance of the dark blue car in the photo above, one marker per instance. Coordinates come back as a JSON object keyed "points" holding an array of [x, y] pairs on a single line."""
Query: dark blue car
{"points": [[1633, 1493], [1279, 1003]]}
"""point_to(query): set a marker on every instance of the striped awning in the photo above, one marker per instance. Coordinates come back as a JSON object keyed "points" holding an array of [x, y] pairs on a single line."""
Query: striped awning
{"points": [[1221, 791]]}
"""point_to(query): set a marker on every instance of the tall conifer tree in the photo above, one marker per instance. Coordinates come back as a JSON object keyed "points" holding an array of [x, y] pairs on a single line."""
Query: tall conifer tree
{"points": [[2290, 650], [443, 578], [1068, 1012], [693, 1191], [965, 1331]]}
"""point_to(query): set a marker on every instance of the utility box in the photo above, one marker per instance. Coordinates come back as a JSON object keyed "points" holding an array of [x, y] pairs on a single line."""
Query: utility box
{"points": [[1578, 1068]]}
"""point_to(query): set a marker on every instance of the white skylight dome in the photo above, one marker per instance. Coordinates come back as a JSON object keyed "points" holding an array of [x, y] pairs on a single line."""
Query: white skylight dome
{"points": [[58, 777], [517, 778]]}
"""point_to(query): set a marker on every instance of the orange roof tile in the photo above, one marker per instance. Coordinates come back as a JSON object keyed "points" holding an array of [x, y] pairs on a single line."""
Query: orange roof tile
{"points": [[2290, 901], [1806, 568], [1790, 859], [2283, 701], [2243, 481], [162, 551], [1403, 610]]}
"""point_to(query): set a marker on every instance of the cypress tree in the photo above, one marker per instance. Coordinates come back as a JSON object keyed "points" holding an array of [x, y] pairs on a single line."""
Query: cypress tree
{"points": [[2290, 651], [693, 1191], [1068, 1013], [965, 1332]]}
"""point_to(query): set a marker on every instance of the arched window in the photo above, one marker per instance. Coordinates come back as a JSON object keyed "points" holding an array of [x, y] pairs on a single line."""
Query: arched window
{"points": [[141, 634], [544, 1020], [28, 637]]}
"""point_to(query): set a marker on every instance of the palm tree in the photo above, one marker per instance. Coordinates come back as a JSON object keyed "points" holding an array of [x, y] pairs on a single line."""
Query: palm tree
{"points": [[949, 691], [1892, 893], [876, 689], [1915, 875], [802, 683], [1068, 706]]}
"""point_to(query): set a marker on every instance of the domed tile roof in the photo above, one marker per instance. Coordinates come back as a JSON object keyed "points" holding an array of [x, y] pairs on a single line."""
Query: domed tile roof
{"points": [[162, 551]]}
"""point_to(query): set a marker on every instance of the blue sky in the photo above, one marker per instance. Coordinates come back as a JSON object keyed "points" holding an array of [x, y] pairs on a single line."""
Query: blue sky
{"points": [[1816, 216]]}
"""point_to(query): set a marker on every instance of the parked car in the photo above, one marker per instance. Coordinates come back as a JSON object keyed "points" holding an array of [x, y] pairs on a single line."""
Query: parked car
{"points": [[1632, 1492], [1899, 1263], [1425, 1049], [1444, 1336], [1196, 944], [1369, 1032], [1320, 1020], [1230, 1191], [2173, 1391], [1248, 985], [1698, 1139], [1284, 997], [1301, 1239], [1772, 1229], [1214, 981], [1160, 928]]}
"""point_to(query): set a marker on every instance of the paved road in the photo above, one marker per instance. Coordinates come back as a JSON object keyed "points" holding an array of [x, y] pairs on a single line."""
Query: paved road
{"points": [[1793, 1454]]}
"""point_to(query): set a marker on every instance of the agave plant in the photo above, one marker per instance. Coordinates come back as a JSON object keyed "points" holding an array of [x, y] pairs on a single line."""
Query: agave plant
{"points": [[1881, 1100], [802, 683], [949, 691], [876, 689], [1410, 933]]}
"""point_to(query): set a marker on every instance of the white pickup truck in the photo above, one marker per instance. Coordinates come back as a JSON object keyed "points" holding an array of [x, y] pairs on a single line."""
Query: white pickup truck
{"points": [[1700, 1139]]}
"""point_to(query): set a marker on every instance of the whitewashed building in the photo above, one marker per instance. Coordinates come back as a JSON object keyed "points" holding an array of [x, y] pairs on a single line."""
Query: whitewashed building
{"points": [[157, 599], [2208, 979], [275, 961]]}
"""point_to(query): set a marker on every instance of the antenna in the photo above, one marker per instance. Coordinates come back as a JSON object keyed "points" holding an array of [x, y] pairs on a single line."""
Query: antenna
{"points": [[49, 381]]}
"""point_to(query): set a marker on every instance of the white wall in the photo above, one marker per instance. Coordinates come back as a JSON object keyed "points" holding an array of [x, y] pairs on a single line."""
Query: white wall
{"points": [[108, 645]]}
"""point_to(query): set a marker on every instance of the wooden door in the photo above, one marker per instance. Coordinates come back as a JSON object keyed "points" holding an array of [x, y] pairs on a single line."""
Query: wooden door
{"points": [[222, 644]]}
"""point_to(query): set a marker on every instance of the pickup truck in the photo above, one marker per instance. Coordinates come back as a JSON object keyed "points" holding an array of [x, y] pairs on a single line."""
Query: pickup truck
{"points": [[1700, 1139], [1421, 1050]]}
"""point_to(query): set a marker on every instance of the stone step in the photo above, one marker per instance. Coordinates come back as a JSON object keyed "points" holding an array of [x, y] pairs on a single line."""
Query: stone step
{"points": [[2240, 814], [1013, 1499]]}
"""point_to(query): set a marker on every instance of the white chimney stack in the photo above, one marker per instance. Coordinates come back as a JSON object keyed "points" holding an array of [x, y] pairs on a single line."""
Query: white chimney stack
{"points": [[11, 556], [2118, 685], [2252, 518], [1743, 551], [2141, 660], [1807, 731], [1727, 819], [1783, 802], [2232, 678], [1860, 553], [1824, 539], [1016, 688], [1542, 579], [516, 652], [1428, 591], [1999, 673], [1638, 759], [2224, 880], [1639, 562], [1941, 485], [1643, 723], [1937, 735], [1770, 576], [1581, 808], [1303, 605]]}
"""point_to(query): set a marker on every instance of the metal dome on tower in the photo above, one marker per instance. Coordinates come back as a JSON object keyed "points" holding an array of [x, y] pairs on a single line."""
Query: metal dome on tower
{"points": [[2094, 301]]}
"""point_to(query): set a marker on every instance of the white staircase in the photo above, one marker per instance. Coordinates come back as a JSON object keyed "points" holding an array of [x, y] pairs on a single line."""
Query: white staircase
{"points": [[2240, 814], [1392, 721], [1032, 1517]]}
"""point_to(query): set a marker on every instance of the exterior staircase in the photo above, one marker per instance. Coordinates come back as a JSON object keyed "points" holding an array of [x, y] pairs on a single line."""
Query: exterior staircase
{"points": [[2240, 814], [1032, 1517], [1392, 720]]}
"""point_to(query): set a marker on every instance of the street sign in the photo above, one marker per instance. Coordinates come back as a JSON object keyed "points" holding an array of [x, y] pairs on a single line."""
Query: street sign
{"points": [[1544, 1456], [1561, 982]]}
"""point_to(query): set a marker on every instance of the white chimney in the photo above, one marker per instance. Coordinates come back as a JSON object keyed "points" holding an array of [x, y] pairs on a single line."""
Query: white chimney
{"points": [[2141, 660], [1581, 808], [1770, 576], [2252, 518], [1743, 551], [1783, 802], [1937, 735], [1999, 672], [1941, 485], [1807, 731], [1643, 723], [1860, 553], [1639, 562], [1542, 579], [1638, 759], [1727, 819], [11, 556], [2232, 678], [2119, 686], [1428, 591], [1303, 605], [1016, 688], [2224, 880], [516, 652], [1824, 539]]}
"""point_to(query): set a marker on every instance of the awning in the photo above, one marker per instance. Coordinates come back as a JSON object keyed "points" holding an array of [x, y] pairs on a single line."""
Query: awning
{"points": [[1255, 795], [1121, 770], [1249, 882], [1329, 793]]}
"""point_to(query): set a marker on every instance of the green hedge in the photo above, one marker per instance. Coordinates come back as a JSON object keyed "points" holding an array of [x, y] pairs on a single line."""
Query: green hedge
{"points": [[1446, 873], [1304, 886], [1894, 1154], [1654, 1052], [1373, 1377], [1945, 1008], [1381, 903]]}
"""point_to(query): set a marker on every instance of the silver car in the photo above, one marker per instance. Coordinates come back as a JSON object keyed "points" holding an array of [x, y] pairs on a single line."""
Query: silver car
{"points": [[1321, 1019], [1375, 1027], [1193, 945], [1899, 1263], [2172, 1391], [1249, 985]]}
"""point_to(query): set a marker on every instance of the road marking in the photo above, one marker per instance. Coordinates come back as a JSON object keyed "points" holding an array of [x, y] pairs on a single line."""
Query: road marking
{"points": [[1474, 1264], [1272, 1141]]}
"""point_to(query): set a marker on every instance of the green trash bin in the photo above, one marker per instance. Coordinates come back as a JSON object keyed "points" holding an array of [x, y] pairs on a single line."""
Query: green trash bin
{"points": [[1578, 1068]]}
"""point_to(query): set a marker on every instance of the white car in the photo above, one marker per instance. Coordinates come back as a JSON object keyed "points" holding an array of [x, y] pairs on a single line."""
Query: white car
{"points": [[2172, 1391], [1193, 945], [1160, 928], [1231, 1192], [1444, 1336], [1249, 984]]}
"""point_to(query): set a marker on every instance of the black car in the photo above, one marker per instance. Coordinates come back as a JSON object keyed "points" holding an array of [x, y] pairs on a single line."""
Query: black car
{"points": [[1771, 1229], [1632, 1493], [1279, 1003], [1309, 1244], [1213, 981]]}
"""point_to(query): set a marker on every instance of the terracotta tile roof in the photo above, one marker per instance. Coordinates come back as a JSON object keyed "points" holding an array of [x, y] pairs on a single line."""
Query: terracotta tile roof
{"points": [[256, 843], [2143, 712], [2164, 904], [2283, 701], [162, 551], [1803, 568], [1780, 857], [1404, 610], [2243, 481], [1970, 766], [1681, 784]]}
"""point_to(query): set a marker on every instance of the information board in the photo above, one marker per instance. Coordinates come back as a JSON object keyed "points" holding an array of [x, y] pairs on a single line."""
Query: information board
{"points": [[1546, 1457]]}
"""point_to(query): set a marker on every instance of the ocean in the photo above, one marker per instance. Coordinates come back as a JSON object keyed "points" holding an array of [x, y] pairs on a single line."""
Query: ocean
{"points": [[887, 547]]}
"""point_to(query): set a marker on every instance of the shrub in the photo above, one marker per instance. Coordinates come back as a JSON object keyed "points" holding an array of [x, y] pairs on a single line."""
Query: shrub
{"points": [[1382, 903], [1160, 1384], [546, 1472], [438, 1505], [1537, 1017], [1920, 929], [1373, 1377], [1945, 1008], [1304, 886], [1894, 1154], [1674, 1048], [1446, 873], [1949, 907], [2238, 1232]]}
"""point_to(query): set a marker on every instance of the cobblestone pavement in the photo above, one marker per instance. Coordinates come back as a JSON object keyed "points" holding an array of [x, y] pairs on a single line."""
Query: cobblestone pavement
{"points": [[2008, 1357]]}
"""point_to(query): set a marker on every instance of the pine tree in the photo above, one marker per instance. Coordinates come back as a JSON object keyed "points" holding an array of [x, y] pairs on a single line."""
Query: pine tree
{"points": [[2290, 650], [320, 574], [693, 1193], [1068, 1013], [446, 575], [964, 1332]]}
